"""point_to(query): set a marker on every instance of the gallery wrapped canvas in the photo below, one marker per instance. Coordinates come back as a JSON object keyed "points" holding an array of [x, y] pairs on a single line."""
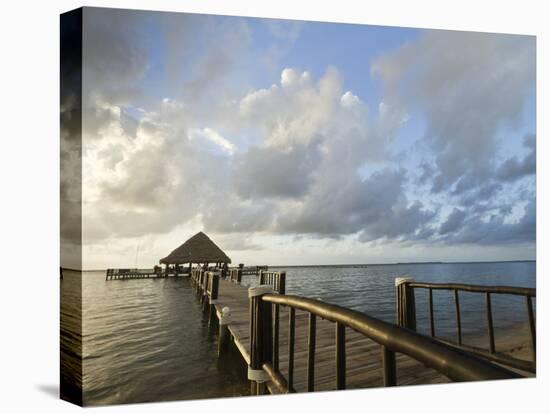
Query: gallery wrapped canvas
{"points": [[257, 206]]}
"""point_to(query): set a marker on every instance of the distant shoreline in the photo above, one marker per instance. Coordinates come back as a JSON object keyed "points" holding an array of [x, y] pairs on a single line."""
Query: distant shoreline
{"points": [[359, 264], [408, 263]]}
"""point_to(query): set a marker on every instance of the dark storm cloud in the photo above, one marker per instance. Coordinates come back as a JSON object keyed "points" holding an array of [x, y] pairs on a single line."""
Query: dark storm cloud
{"points": [[482, 194], [453, 222], [376, 207], [71, 140], [496, 231], [115, 57], [514, 168]]}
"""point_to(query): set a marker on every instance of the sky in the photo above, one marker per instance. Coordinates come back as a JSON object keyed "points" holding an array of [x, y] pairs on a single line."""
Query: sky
{"points": [[292, 142]]}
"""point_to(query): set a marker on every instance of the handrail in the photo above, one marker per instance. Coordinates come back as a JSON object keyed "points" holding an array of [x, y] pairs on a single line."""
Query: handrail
{"points": [[456, 364], [277, 280], [406, 315], [509, 290]]}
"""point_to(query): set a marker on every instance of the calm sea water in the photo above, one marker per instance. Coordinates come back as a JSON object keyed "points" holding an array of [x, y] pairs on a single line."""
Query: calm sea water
{"points": [[148, 340]]}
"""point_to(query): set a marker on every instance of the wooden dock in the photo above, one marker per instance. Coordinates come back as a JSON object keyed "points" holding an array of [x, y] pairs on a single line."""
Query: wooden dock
{"points": [[363, 356], [117, 274], [295, 344]]}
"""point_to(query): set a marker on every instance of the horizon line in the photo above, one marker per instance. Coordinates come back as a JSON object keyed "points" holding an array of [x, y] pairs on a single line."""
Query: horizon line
{"points": [[355, 264]]}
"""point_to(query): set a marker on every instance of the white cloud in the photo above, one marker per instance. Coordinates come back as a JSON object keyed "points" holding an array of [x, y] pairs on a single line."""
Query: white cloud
{"points": [[284, 159], [212, 136], [349, 99], [468, 86]]}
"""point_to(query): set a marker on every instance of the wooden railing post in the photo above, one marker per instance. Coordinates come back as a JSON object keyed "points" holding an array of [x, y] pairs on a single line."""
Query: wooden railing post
{"points": [[532, 327], [281, 288], [261, 340], [405, 303], [213, 286], [340, 356], [202, 276], [204, 290], [389, 368], [225, 319]]}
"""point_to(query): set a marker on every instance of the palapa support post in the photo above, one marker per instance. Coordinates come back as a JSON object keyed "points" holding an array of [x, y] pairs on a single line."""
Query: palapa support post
{"points": [[224, 335], [261, 337], [405, 303]]}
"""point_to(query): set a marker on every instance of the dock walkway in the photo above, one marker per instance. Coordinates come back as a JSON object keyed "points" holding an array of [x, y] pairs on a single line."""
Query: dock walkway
{"points": [[363, 361], [124, 274]]}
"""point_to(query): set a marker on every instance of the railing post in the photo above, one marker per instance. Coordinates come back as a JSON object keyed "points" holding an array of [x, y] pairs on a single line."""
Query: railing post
{"points": [[282, 283], [240, 274], [388, 363], [225, 319], [205, 284], [405, 303], [311, 339], [213, 287], [490, 328], [532, 327], [260, 277], [340, 356], [261, 340]]}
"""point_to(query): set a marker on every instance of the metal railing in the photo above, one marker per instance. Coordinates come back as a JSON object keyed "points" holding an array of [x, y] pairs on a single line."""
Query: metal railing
{"points": [[406, 316], [456, 364]]}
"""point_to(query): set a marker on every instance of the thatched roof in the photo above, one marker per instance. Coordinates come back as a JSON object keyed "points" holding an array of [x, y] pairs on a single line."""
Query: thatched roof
{"points": [[198, 249]]}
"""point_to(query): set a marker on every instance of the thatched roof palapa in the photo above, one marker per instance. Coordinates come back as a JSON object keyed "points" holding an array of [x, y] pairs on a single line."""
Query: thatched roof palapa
{"points": [[198, 249]]}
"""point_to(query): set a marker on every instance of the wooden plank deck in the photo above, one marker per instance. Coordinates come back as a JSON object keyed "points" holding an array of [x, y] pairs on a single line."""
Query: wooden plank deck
{"points": [[363, 356]]}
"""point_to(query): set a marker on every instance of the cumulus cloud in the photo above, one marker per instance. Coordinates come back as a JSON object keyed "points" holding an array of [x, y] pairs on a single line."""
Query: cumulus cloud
{"points": [[304, 155], [468, 85], [267, 172]]}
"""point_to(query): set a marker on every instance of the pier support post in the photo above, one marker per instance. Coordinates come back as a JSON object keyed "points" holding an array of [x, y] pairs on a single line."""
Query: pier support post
{"points": [[225, 319], [405, 303], [261, 337]]}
